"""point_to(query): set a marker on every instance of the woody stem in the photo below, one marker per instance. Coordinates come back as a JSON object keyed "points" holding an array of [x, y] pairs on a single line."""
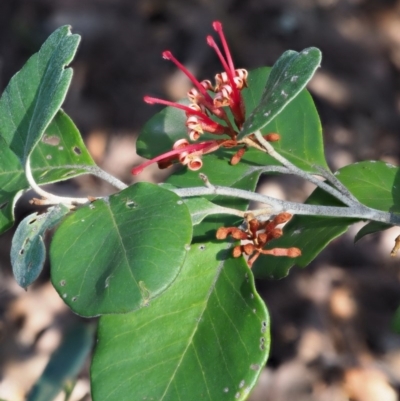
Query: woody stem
{"points": [[277, 206]]}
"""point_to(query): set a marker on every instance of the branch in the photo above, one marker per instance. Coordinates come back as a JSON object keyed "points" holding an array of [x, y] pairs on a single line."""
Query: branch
{"points": [[295, 170], [358, 211], [98, 172], [50, 199]]}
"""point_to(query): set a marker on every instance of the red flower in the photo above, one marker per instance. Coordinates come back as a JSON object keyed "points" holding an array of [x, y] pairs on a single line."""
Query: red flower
{"points": [[203, 106]]}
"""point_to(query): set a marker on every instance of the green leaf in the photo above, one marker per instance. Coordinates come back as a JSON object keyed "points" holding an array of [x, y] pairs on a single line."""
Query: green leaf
{"points": [[35, 94], [61, 154], [298, 125], [375, 184], [117, 254], [65, 363], [200, 208], [206, 338], [28, 251], [289, 75], [371, 228]]}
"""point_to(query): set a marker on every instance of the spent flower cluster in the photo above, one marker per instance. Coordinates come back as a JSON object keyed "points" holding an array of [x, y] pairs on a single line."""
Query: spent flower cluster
{"points": [[256, 235]]}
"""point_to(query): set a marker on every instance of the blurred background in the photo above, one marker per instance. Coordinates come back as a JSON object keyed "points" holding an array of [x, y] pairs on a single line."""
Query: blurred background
{"points": [[331, 322]]}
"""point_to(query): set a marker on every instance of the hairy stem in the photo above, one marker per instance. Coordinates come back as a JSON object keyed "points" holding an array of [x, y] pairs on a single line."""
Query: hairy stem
{"points": [[98, 172], [50, 199], [358, 211], [349, 201]]}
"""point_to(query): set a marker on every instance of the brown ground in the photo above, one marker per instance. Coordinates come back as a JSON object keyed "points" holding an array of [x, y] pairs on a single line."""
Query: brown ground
{"points": [[331, 322]]}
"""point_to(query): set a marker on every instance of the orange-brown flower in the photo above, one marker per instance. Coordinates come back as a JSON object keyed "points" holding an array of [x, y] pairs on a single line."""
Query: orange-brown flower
{"points": [[259, 234]]}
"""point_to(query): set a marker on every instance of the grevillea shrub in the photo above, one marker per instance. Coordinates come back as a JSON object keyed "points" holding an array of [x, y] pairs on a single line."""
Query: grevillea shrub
{"points": [[170, 268]]}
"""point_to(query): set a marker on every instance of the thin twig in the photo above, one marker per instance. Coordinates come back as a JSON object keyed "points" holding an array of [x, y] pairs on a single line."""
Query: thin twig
{"points": [[335, 182], [98, 172], [321, 184], [50, 199]]}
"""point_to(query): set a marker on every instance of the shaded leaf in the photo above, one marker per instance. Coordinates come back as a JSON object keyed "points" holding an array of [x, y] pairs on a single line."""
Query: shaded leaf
{"points": [[35, 94], [207, 337], [61, 154], [289, 75], [28, 251], [371, 228], [375, 184], [124, 250], [65, 363]]}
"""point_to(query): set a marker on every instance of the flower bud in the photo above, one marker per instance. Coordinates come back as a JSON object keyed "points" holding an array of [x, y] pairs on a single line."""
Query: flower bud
{"points": [[222, 232], [282, 218], [195, 163], [238, 234], [237, 156], [274, 137], [248, 249], [237, 251]]}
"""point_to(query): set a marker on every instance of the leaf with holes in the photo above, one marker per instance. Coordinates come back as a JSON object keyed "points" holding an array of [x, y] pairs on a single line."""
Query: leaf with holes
{"points": [[298, 125], [28, 251], [206, 337], [124, 250], [289, 75], [61, 154], [375, 184], [35, 94]]}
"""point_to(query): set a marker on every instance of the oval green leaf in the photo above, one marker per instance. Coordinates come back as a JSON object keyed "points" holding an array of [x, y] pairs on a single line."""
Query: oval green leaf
{"points": [[35, 94], [205, 338], [289, 75], [59, 155], [122, 251], [28, 251]]}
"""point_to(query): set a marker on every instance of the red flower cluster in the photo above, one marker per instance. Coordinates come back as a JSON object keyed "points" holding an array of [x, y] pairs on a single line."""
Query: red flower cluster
{"points": [[226, 93], [259, 234]]}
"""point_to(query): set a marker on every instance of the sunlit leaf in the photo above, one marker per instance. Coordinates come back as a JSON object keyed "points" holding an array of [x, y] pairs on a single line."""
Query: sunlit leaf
{"points": [[289, 75], [35, 94], [61, 154], [205, 338], [122, 252]]}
